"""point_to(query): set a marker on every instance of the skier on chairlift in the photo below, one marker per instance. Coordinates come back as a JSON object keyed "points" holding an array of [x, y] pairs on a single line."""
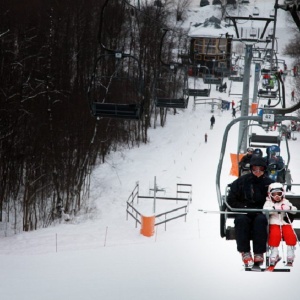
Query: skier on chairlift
{"points": [[280, 223], [250, 192], [244, 164], [275, 163]]}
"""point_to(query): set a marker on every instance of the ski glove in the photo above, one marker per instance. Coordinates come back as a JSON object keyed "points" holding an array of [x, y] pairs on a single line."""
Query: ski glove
{"points": [[278, 206], [285, 207]]}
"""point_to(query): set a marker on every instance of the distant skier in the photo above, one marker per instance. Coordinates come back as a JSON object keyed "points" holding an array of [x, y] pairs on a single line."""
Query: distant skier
{"points": [[212, 122], [233, 113], [232, 104], [205, 137], [293, 95]]}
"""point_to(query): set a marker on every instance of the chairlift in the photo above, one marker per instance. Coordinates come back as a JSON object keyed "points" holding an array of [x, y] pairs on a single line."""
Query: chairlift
{"points": [[255, 11], [271, 33], [227, 229], [115, 90], [171, 88], [171, 84], [253, 32], [272, 13], [116, 85], [196, 92], [268, 118]]}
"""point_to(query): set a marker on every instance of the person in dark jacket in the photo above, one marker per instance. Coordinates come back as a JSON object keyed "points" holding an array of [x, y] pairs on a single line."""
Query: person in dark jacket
{"points": [[212, 121], [249, 192], [233, 112]]}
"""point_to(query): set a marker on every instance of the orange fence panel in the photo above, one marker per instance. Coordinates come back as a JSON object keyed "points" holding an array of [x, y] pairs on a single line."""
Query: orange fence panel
{"points": [[147, 226]]}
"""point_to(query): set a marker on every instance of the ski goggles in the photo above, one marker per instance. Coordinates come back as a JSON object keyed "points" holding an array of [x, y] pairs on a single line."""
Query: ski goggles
{"points": [[274, 194]]}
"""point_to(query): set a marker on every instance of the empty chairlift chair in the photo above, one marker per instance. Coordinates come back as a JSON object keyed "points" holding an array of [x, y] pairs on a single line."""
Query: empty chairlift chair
{"points": [[171, 86], [115, 90], [196, 91]]}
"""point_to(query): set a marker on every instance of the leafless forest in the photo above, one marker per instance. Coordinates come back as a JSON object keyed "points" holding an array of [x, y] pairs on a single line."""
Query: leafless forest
{"points": [[49, 140]]}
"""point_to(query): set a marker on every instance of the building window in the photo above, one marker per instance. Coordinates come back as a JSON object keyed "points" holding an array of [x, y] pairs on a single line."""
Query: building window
{"points": [[210, 46]]}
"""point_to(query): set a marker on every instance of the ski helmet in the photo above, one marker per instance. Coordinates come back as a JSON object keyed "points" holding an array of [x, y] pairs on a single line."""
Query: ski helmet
{"points": [[277, 188], [257, 152], [274, 149]]}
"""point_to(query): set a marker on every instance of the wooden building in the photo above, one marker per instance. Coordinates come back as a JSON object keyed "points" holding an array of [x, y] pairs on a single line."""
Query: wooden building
{"points": [[211, 44]]}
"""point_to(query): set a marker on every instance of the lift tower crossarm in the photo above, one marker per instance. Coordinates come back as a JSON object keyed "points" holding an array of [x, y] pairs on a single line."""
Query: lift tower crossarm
{"points": [[250, 18]]}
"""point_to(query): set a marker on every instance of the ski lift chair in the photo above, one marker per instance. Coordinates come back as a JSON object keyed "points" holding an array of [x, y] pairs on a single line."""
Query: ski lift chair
{"points": [[211, 79], [263, 141], [116, 86], [227, 213], [253, 32], [115, 90], [255, 11], [267, 94], [171, 83], [171, 88], [226, 231], [196, 92]]}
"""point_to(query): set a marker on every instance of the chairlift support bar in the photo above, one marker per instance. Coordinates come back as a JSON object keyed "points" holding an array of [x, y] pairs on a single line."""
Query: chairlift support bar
{"points": [[101, 28]]}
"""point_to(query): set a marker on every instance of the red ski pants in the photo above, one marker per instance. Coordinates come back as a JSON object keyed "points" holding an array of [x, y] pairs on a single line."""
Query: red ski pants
{"points": [[287, 234]]}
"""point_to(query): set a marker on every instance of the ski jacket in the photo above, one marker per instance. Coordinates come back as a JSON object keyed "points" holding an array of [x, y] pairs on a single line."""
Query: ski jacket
{"points": [[249, 191], [275, 217]]}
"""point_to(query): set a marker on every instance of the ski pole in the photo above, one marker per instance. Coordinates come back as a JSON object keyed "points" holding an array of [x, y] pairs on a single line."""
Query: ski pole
{"points": [[281, 239]]}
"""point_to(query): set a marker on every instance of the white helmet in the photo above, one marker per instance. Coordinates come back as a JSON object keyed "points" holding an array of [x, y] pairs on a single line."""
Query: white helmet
{"points": [[276, 187]]}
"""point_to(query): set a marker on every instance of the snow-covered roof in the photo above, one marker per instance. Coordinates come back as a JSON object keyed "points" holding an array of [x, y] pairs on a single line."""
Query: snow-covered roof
{"points": [[212, 27]]}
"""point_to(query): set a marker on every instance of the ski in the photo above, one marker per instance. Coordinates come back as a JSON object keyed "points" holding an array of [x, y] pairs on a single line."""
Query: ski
{"points": [[272, 267], [256, 267]]}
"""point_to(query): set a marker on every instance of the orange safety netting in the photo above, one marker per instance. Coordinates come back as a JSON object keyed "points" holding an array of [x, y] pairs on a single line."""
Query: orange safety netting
{"points": [[234, 163]]}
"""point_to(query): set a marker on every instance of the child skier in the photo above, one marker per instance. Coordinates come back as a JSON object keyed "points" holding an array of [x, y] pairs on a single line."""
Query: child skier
{"points": [[280, 223]]}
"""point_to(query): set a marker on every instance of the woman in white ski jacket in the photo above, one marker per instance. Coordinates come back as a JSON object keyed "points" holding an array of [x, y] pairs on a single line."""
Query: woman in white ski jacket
{"points": [[280, 222]]}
